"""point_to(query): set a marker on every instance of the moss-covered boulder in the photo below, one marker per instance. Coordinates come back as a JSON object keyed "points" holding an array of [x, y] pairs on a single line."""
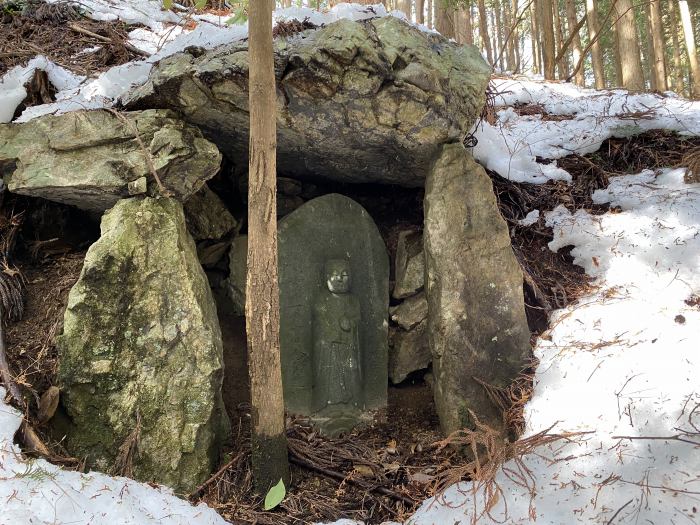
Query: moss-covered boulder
{"points": [[368, 101], [477, 329], [91, 159], [141, 362]]}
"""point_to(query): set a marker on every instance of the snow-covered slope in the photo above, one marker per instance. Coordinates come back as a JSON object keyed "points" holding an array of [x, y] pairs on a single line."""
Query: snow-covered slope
{"points": [[35, 492], [511, 145], [622, 364]]}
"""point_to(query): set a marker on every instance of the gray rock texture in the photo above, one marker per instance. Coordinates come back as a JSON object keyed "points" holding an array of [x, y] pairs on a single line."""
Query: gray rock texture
{"points": [[476, 312], [408, 351], [207, 216], [238, 268], [368, 101], [91, 159], [409, 270], [141, 351]]}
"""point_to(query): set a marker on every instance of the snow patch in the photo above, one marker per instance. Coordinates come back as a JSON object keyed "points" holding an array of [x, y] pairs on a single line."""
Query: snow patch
{"points": [[35, 492], [512, 145]]}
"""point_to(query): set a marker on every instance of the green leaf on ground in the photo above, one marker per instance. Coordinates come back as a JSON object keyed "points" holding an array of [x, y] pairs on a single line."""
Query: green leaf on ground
{"points": [[275, 496]]}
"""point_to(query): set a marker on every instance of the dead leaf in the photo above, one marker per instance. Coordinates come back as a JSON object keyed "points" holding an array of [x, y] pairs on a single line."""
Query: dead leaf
{"points": [[421, 477], [364, 470], [48, 404]]}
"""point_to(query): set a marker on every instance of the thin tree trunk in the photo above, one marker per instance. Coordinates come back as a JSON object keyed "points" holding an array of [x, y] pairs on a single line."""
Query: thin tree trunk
{"points": [[576, 41], [677, 67], [463, 27], [628, 46], [617, 61], [562, 63], [269, 442], [644, 30], [657, 38], [535, 34], [444, 19], [510, 34], [690, 47], [515, 36], [494, 38], [420, 8], [548, 45], [496, 13], [596, 50], [405, 7], [484, 31], [430, 13]]}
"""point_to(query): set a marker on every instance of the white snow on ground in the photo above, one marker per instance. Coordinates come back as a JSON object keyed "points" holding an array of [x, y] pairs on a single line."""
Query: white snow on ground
{"points": [[623, 361], [35, 492], [511, 145], [12, 91]]}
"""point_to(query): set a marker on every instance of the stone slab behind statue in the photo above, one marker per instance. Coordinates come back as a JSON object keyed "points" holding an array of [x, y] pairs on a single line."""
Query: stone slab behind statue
{"points": [[141, 346], [334, 282], [476, 312], [91, 159], [368, 101]]}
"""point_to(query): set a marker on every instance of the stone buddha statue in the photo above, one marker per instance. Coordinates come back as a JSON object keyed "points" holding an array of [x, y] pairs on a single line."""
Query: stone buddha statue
{"points": [[337, 363]]}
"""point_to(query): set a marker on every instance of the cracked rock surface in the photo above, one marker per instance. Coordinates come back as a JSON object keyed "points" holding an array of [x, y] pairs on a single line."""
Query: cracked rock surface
{"points": [[368, 101], [141, 351], [91, 159]]}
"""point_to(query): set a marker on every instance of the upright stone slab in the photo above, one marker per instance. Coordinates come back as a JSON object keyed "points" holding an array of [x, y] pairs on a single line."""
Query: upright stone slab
{"points": [[476, 312], [334, 299], [141, 347]]}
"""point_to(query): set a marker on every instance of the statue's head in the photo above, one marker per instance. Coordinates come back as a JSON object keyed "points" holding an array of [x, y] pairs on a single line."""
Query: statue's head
{"points": [[338, 275]]}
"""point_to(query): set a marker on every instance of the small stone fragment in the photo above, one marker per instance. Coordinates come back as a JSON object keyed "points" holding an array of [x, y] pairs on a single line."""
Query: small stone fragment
{"points": [[410, 268], [238, 267], [138, 186], [410, 312], [408, 351], [207, 216]]}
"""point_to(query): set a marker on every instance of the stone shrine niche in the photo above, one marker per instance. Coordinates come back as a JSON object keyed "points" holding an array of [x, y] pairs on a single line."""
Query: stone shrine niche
{"points": [[334, 300]]}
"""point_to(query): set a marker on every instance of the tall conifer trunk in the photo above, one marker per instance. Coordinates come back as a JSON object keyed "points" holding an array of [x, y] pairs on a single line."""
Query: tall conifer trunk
{"points": [[596, 49], [687, 23], [628, 46]]}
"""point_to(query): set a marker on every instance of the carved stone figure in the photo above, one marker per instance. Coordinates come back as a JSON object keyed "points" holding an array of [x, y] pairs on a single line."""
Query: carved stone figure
{"points": [[334, 301], [337, 357]]}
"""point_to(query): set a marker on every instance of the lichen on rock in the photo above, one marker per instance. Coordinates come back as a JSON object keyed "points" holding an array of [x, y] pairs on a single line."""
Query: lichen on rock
{"points": [[91, 159], [141, 342], [368, 101]]}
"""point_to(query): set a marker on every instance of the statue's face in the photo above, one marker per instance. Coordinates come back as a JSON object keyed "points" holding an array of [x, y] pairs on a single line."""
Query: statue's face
{"points": [[338, 276]]}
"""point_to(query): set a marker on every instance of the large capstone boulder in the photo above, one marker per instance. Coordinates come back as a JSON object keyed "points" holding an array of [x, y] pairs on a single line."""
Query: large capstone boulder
{"points": [[141, 362], [477, 328], [368, 101], [91, 159]]}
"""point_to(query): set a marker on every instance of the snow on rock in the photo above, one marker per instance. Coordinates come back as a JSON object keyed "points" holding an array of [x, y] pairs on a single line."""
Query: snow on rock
{"points": [[33, 491], [586, 118], [12, 91], [164, 35], [621, 363]]}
